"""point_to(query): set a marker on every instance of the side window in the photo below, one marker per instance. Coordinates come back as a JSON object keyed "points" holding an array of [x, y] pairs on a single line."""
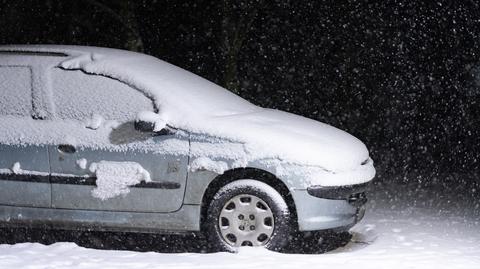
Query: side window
{"points": [[15, 91], [79, 96]]}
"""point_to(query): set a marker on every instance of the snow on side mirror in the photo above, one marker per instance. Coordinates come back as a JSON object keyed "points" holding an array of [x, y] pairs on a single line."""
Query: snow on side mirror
{"points": [[148, 121]]}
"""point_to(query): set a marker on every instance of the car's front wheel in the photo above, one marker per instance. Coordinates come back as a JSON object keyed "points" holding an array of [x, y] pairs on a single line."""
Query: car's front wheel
{"points": [[248, 213]]}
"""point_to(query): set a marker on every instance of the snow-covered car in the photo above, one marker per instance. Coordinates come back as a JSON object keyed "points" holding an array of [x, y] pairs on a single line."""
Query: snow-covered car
{"points": [[108, 139]]}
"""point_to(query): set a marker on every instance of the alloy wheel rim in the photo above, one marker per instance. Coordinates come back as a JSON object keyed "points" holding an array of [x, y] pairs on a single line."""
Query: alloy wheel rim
{"points": [[246, 220]]}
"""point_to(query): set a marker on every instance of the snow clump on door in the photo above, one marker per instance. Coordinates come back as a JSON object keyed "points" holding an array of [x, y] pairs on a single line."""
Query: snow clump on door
{"points": [[115, 178]]}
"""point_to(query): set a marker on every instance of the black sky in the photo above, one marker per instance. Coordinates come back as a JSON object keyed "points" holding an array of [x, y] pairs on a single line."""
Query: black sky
{"points": [[403, 76]]}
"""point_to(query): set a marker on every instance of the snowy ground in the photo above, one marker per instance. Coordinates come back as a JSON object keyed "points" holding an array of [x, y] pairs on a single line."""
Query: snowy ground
{"points": [[404, 228]]}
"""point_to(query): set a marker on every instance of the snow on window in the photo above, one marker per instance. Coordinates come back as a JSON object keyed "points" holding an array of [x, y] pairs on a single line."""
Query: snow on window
{"points": [[80, 96], [15, 91], [114, 178]]}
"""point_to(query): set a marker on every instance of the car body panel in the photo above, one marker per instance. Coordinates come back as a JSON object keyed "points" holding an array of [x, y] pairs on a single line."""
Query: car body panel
{"points": [[71, 188], [313, 213], [321, 214], [29, 186]]}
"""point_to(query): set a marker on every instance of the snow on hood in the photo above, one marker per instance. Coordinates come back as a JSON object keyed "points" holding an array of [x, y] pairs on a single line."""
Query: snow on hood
{"points": [[294, 139], [189, 102]]}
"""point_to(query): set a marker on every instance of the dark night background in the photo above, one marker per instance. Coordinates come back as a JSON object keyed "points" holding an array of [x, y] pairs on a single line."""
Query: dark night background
{"points": [[403, 76]]}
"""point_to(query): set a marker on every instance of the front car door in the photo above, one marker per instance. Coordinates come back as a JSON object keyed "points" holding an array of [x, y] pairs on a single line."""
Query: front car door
{"points": [[98, 142]]}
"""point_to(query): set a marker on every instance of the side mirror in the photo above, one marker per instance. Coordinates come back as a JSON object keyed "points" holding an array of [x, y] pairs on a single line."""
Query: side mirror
{"points": [[149, 122]]}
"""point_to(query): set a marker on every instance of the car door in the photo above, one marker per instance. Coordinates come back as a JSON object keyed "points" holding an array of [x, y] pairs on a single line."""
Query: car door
{"points": [[100, 143], [24, 167]]}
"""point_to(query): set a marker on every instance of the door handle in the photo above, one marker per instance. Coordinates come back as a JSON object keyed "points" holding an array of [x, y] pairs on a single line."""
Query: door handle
{"points": [[66, 149]]}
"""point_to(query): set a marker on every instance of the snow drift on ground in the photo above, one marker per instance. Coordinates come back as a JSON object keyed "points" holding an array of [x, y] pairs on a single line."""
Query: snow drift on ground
{"points": [[424, 230]]}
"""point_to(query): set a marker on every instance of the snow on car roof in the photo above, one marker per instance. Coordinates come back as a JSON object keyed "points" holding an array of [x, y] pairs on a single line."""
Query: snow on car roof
{"points": [[174, 90]]}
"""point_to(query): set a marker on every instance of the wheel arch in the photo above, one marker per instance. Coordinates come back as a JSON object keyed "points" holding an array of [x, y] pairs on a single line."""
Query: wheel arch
{"points": [[246, 173]]}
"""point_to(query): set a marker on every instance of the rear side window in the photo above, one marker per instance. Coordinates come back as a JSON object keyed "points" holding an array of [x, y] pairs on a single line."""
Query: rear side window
{"points": [[15, 91], [79, 96]]}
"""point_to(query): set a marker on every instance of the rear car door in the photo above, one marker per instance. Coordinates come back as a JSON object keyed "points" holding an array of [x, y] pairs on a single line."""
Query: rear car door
{"points": [[24, 167], [100, 143]]}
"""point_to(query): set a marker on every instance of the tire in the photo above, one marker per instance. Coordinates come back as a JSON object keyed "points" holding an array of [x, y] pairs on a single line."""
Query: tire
{"points": [[230, 213]]}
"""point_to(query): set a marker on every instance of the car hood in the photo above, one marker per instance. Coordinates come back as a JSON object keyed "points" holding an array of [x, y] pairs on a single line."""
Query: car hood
{"points": [[272, 133]]}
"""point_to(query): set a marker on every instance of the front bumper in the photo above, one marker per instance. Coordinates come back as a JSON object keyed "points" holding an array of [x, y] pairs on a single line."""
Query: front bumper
{"points": [[321, 208], [354, 194]]}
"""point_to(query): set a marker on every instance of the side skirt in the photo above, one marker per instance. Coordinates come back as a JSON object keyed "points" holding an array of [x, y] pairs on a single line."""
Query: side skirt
{"points": [[185, 219]]}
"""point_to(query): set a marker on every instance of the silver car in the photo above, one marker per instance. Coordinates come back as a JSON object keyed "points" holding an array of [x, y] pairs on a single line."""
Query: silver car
{"points": [[107, 139]]}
